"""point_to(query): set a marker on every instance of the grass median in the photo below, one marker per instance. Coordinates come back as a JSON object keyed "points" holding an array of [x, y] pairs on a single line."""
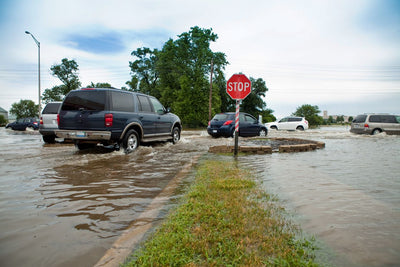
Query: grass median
{"points": [[225, 219]]}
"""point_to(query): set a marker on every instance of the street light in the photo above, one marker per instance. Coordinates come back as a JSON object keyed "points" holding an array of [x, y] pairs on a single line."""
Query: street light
{"points": [[38, 44]]}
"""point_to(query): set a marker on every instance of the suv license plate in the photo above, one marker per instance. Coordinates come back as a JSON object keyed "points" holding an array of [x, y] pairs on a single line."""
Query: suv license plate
{"points": [[80, 134]]}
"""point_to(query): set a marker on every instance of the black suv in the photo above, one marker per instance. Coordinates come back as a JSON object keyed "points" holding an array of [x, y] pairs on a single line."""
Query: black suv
{"points": [[90, 116]]}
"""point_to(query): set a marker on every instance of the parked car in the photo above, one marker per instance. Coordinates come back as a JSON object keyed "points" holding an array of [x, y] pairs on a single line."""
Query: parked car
{"points": [[92, 116], [23, 123], [223, 124], [375, 124], [289, 123], [48, 122]]}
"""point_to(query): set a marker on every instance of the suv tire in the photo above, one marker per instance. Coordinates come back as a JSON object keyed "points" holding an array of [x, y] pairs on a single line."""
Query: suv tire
{"points": [[49, 139], [130, 141], [176, 135]]}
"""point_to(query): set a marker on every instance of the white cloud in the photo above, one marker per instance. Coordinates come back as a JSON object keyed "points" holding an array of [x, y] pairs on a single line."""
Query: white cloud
{"points": [[314, 52]]}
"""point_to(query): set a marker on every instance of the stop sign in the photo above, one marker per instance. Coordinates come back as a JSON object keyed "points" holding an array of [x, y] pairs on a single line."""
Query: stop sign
{"points": [[238, 86]]}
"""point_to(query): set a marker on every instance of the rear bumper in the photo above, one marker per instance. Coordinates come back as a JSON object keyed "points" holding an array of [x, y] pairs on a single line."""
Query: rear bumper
{"points": [[84, 135]]}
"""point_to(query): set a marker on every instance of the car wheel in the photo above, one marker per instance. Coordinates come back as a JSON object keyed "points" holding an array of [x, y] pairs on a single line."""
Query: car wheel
{"points": [[176, 135], [50, 139], [376, 131], [300, 128], [130, 141], [274, 127], [262, 132]]}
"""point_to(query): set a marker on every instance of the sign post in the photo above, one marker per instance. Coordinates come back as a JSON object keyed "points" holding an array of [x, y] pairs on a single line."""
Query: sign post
{"points": [[238, 88]]}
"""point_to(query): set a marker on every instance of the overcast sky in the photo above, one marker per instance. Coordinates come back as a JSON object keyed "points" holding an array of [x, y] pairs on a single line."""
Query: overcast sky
{"points": [[343, 56]]}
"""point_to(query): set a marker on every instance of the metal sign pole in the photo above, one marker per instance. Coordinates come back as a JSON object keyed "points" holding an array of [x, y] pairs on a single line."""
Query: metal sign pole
{"points": [[237, 127]]}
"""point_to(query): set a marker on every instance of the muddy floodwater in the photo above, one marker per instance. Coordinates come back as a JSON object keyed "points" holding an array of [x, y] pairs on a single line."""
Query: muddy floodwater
{"points": [[63, 207]]}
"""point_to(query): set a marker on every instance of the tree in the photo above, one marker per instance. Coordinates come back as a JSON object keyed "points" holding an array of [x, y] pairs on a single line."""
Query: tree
{"points": [[179, 74], [99, 85], [67, 72], [253, 103], [310, 113], [24, 108]]}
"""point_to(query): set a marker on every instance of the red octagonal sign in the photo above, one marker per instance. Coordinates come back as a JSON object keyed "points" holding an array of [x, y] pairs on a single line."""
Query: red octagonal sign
{"points": [[238, 86]]}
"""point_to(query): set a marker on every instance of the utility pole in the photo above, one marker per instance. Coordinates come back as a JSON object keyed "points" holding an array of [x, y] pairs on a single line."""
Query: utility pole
{"points": [[210, 97]]}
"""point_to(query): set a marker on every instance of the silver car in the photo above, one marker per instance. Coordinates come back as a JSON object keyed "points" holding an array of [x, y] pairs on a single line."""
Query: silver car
{"points": [[48, 122], [375, 124]]}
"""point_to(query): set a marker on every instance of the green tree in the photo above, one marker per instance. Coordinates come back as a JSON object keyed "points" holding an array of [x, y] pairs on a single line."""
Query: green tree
{"points": [[3, 120], [179, 74], [253, 103], [143, 71], [310, 113], [99, 85], [67, 72], [24, 108]]}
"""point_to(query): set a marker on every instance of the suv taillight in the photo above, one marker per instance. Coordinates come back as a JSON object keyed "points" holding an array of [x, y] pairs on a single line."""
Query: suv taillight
{"points": [[58, 119], [41, 120], [108, 119], [366, 125]]}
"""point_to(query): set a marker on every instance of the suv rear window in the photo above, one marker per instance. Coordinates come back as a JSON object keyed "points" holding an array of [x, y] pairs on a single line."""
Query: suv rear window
{"points": [[122, 102], [294, 119], [360, 118], [86, 100], [51, 108]]}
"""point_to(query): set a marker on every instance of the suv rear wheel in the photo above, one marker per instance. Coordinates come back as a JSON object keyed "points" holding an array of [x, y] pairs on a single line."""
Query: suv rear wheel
{"points": [[130, 141], [49, 139]]}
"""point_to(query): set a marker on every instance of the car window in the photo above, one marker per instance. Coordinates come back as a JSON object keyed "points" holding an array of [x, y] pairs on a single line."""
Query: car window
{"points": [[157, 106], [51, 108], [86, 100], [294, 119], [250, 119], [388, 119], [398, 119], [284, 120], [221, 117], [122, 101], [360, 118], [375, 118], [144, 104]]}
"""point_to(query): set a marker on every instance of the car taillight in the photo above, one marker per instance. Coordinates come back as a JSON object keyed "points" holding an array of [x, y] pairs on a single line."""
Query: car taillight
{"points": [[41, 120], [366, 125], [228, 122], [209, 123], [58, 119], [108, 119], [306, 122]]}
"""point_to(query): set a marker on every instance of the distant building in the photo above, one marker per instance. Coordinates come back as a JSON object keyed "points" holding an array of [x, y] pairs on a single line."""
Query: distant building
{"points": [[4, 113], [325, 116]]}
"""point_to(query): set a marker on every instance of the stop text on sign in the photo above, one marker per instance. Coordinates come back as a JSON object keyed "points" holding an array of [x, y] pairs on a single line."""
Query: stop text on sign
{"points": [[238, 86]]}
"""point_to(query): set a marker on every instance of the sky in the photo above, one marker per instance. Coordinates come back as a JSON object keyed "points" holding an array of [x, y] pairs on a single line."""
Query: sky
{"points": [[342, 56]]}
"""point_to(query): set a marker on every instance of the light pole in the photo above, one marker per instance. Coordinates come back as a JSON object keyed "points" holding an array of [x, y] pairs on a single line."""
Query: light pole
{"points": [[38, 44]]}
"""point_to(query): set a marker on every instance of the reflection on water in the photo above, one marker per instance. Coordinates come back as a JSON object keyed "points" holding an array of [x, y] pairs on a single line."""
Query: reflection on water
{"points": [[347, 195]]}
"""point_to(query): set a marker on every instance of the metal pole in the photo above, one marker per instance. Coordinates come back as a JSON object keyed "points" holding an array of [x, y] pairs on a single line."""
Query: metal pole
{"points": [[237, 127], [39, 97]]}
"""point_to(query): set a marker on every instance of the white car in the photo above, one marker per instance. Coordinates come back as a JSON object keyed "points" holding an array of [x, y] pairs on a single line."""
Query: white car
{"points": [[289, 123]]}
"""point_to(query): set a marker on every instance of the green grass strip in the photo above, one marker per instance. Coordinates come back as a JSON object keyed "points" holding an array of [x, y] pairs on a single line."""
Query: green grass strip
{"points": [[225, 220]]}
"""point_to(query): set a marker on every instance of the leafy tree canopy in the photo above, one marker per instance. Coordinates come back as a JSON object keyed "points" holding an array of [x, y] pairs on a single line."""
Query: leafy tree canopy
{"points": [[24, 108], [67, 72], [99, 85], [310, 113]]}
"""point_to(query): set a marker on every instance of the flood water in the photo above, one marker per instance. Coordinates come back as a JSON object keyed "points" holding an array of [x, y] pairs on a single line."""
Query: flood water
{"points": [[347, 195], [62, 207]]}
